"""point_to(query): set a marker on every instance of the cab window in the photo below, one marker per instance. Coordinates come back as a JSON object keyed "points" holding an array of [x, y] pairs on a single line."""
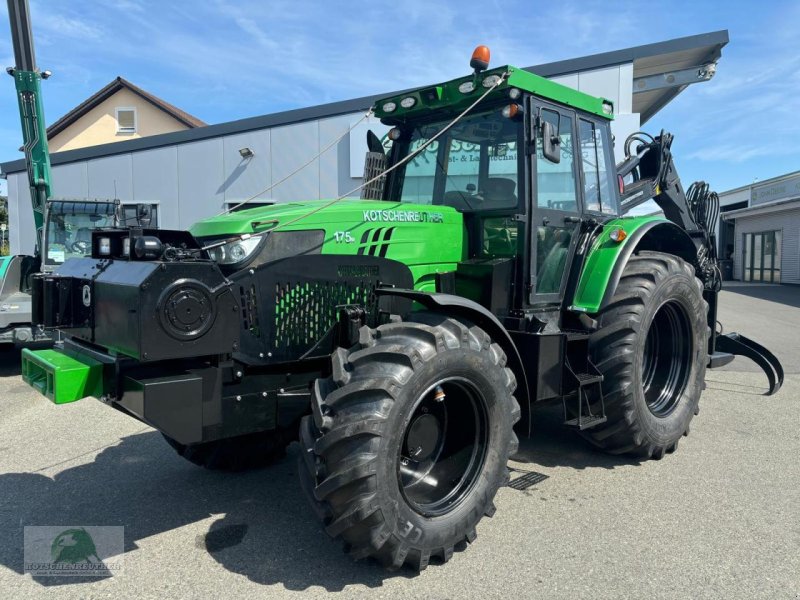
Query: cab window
{"points": [[598, 192], [472, 167]]}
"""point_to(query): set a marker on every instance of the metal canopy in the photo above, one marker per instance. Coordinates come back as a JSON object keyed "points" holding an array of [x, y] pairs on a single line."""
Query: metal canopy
{"points": [[658, 79]]}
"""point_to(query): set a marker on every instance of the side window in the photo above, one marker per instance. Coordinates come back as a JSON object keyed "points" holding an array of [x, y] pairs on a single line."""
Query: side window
{"points": [[598, 194], [142, 215], [555, 183]]}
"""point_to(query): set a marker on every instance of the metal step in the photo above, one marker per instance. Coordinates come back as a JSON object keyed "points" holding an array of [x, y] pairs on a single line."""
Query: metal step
{"points": [[586, 422]]}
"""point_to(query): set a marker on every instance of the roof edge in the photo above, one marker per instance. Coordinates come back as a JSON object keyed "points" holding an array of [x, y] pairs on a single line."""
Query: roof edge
{"points": [[120, 83]]}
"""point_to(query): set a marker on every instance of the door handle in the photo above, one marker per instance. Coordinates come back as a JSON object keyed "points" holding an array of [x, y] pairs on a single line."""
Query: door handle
{"points": [[572, 219]]}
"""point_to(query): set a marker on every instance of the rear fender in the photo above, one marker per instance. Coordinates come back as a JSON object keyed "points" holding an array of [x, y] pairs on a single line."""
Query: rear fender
{"points": [[606, 259]]}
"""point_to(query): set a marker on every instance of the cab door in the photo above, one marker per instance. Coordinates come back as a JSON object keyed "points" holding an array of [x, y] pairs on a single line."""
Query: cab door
{"points": [[555, 205]]}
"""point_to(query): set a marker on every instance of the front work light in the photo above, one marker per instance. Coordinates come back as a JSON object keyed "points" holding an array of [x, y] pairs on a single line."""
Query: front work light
{"points": [[104, 246], [467, 87], [490, 80]]}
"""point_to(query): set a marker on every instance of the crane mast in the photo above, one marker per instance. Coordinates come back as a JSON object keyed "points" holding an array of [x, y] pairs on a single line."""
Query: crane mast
{"points": [[28, 81]]}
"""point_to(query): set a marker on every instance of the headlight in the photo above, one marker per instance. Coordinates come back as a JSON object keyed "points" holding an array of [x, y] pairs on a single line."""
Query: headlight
{"points": [[236, 251], [389, 107], [408, 102]]}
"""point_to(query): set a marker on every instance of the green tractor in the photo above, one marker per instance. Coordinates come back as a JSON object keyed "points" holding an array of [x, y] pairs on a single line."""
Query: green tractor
{"points": [[406, 337]]}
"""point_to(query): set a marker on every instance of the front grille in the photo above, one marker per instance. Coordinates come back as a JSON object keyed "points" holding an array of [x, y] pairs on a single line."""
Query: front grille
{"points": [[305, 311]]}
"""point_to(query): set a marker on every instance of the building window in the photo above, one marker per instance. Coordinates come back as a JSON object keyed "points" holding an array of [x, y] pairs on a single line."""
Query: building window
{"points": [[126, 120], [762, 257]]}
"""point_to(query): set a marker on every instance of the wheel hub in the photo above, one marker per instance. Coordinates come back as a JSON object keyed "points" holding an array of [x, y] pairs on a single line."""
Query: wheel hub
{"points": [[666, 360], [423, 437], [444, 447]]}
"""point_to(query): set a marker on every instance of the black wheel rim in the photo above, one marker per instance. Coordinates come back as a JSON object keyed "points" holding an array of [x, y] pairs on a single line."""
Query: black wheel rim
{"points": [[666, 361], [444, 447]]}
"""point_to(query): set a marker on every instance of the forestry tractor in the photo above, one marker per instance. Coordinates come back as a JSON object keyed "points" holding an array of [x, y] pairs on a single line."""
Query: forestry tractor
{"points": [[406, 337]]}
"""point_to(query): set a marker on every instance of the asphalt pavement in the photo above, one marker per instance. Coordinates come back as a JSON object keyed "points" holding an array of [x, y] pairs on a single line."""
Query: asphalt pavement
{"points": [[720, 518]]}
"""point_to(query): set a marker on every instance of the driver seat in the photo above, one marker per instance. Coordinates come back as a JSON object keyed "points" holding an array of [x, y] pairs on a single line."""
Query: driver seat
{"points": [[500, 190]]}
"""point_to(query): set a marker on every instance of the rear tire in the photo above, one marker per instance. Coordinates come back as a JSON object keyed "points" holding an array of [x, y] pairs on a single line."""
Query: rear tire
{"points": [[435, 389], [652, 349], [240, 453]]}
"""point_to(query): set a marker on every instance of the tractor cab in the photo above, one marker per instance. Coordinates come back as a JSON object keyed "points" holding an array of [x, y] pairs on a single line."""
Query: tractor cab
{"points": [[527, 173]]}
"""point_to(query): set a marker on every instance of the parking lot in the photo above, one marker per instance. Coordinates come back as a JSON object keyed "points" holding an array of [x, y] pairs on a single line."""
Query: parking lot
{"points": [[718, 519]]}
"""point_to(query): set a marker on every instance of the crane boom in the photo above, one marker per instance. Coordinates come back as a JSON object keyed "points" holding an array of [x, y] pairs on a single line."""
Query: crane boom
{"points": [[28, 81]]}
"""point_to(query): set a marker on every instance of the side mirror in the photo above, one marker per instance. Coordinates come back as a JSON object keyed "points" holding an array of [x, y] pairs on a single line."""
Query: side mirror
{"points": [[551, 144]]}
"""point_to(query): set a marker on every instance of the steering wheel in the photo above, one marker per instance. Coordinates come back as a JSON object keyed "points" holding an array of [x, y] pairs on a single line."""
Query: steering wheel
{"points": [[80, 246]]}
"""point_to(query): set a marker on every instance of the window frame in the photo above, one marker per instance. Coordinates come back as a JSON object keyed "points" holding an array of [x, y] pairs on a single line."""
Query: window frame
{"points": [[600, 128], [153, 205], [548, 216], [132, 109]]}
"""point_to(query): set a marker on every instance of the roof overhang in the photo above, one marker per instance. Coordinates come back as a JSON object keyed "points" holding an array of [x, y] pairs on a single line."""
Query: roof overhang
{"points": [[661, 71], [664, 68], [762, 209]]}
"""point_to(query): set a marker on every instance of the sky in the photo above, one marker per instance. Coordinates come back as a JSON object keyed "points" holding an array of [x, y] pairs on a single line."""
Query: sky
{"points": [[222, 60]]}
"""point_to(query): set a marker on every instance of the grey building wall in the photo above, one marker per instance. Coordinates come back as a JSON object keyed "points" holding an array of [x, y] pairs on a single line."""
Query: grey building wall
{"points": [[198, 179], [785, 221]]}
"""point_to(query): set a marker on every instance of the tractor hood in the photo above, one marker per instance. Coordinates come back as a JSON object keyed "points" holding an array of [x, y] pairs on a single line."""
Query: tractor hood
{"points": [[429, 239], [321, 214]]}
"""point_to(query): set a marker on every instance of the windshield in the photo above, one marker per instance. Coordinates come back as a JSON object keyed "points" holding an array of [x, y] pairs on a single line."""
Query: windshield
{"points": [[70, 235], [473, 166]]}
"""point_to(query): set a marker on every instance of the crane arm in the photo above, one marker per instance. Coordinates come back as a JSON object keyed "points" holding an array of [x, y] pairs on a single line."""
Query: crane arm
{"points": [[28, 81]]}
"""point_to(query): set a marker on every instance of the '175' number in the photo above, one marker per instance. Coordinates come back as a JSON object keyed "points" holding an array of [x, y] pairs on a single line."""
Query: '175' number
{"points": [[343, 237]]}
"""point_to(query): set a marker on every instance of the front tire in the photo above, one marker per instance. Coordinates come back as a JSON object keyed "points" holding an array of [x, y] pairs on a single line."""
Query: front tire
{"points": [[409, 439], [652, 349]]}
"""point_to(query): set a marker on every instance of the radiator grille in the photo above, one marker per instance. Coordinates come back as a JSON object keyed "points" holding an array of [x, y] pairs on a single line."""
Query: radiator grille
{"points": [[305, 311]]}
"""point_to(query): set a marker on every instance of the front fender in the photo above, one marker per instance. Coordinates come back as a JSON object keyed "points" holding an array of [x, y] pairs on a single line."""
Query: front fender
{"points": [[606, 258]]}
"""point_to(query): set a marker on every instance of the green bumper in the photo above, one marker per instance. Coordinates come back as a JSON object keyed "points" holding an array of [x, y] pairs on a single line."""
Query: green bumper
{"points": [[60, 377]]}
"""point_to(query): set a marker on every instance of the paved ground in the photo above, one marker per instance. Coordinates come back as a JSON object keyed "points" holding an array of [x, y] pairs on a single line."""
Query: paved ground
{"points": [[718, 519]]}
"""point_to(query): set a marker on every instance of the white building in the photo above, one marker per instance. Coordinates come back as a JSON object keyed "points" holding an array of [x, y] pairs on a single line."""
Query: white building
{"points": [[760, 230]]}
